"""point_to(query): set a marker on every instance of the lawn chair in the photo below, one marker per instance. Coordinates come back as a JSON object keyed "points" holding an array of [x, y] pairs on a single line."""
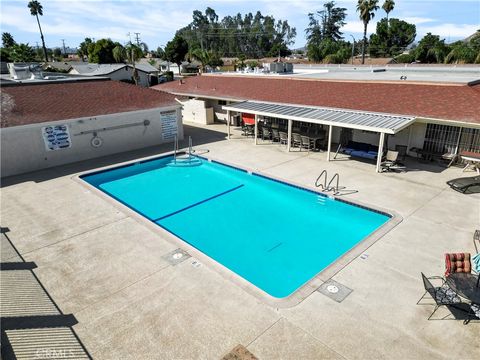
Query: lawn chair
{"points": [[391, 163], [297, 140], [466, 185], [248, 130], [306, 143], [275, 135], [283, 137], [442, 295], [266, 133]]}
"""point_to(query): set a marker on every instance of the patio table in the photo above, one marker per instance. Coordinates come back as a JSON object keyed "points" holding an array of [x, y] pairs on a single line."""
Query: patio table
{"points": [[472, 160], [465, 285]]}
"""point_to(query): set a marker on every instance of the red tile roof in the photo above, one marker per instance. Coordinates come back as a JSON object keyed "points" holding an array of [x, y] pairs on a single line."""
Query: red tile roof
{"points": [[29, 104], [439, 101]]}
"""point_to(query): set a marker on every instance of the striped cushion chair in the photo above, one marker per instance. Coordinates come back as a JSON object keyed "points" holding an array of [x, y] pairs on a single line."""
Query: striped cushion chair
{"points": [[459, 262]]}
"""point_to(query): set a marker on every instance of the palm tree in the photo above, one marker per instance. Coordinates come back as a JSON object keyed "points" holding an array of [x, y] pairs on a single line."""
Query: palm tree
{"points": [[119, 53], [388, 6], [367, 9], [201, 55], [35, 10]]}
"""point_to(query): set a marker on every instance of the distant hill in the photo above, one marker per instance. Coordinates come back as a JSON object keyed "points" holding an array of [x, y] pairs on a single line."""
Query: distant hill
{"points": [[467, 39]]}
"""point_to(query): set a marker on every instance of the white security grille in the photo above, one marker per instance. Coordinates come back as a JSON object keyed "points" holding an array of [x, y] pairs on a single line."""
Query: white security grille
{"points": [[444, 139]]}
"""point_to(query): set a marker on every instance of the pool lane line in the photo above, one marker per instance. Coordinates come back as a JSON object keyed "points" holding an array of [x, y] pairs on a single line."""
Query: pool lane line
{"points": [[199, 203]]}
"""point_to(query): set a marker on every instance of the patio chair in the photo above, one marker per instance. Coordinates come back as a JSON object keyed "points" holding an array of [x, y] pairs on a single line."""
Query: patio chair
{"points": [[297, 140], [275, 135], [466, 185], [459, 262], [391, 163], [306, 143], [442, 295], [248, 130], [266, 133], [283, 137]]}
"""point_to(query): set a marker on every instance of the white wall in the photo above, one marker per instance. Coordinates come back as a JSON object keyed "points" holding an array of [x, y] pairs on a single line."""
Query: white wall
{"points": [[197, 111], [23, 148]]}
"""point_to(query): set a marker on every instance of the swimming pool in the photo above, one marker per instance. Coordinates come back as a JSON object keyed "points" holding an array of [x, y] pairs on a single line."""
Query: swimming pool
{"points": [[272, 234]]}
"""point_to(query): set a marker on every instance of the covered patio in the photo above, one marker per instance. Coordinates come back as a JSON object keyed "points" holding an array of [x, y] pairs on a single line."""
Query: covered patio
{"points": [[358, 120]]}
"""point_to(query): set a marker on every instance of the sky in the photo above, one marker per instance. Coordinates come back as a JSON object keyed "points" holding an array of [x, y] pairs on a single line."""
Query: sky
{"points": [[157, 21]]}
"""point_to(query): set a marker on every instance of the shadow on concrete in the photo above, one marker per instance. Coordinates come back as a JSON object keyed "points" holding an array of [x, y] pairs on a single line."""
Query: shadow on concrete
{"points": [[200, 137], [17, 321]]}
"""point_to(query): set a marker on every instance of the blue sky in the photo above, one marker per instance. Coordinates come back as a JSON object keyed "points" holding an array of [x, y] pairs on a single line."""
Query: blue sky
{"points": [[156, 21]]}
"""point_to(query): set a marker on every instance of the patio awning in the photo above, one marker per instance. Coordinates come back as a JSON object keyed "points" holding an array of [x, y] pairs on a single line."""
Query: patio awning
{"points": [[361, 120]]}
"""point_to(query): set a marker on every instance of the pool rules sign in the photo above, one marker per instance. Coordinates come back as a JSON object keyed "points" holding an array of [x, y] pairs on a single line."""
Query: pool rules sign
{"points": [[169, 124]]}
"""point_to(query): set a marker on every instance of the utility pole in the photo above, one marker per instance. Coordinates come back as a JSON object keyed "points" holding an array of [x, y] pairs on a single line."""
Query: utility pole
{"points": [[64, 49], [137, 38], [134, 71]]}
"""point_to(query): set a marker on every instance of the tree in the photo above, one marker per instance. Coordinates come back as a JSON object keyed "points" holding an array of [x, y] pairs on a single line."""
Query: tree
{"points": [[57, 52], [101, 51], [82, 50], [326, 29], [467, 51], [119, 53], [22, 53], [159, 53], [366, 9], [391, 38], [35, 10], [176, 50], [460, 52], [7, 40], [431, 49], [388, 6], [254, 35]]}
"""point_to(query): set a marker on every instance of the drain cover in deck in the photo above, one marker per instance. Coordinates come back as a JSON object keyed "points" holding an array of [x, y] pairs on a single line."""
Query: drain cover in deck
{"points": [[176, 256], [334, 290]]}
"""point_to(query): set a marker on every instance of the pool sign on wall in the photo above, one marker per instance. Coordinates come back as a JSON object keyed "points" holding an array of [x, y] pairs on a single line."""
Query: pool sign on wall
{"points": [[56, 137], [169, 124]]}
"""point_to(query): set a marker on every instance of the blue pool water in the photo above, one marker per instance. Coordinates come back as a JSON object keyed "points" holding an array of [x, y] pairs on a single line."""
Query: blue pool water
{"points": [[272, 234]]}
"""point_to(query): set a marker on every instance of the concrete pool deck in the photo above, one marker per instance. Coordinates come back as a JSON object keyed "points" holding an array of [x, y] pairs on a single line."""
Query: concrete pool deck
{"points": [[106, 268]]}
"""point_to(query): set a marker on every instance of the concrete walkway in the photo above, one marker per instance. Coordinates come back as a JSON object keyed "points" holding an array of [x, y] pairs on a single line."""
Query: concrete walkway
{"points": [[106, 268]]}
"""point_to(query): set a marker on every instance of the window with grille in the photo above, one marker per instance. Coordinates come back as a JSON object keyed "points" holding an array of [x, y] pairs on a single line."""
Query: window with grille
{"points": [[444, 138]]}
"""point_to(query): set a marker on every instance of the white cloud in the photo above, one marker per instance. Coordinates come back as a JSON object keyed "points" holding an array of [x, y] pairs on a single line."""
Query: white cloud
{"points": [[450, 30], [417, 20]]}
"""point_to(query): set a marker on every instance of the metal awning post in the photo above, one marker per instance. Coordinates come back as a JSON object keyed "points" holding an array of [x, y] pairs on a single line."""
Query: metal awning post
{"points": [[256, 128], [289, 134], [329, 146], [228, 124], [380, 151]]}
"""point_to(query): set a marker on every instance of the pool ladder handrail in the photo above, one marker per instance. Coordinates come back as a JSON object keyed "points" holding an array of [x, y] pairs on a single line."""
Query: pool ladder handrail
{"points": [[335, 188], [326, 187], [189, 147], [175, 149]]}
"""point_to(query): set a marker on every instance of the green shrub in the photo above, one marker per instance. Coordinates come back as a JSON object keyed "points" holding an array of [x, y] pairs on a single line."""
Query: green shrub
{"points": [[169, 75], [405, 59]]}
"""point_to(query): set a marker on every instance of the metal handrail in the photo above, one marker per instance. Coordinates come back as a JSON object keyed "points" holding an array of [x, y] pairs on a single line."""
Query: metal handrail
{"points": [[335, 189], [175, 149], [189, 147], [324, 185]]}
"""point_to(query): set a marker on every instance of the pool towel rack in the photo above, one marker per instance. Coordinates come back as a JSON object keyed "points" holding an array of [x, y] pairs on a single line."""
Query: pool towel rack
{"points": [[327, 187]]}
